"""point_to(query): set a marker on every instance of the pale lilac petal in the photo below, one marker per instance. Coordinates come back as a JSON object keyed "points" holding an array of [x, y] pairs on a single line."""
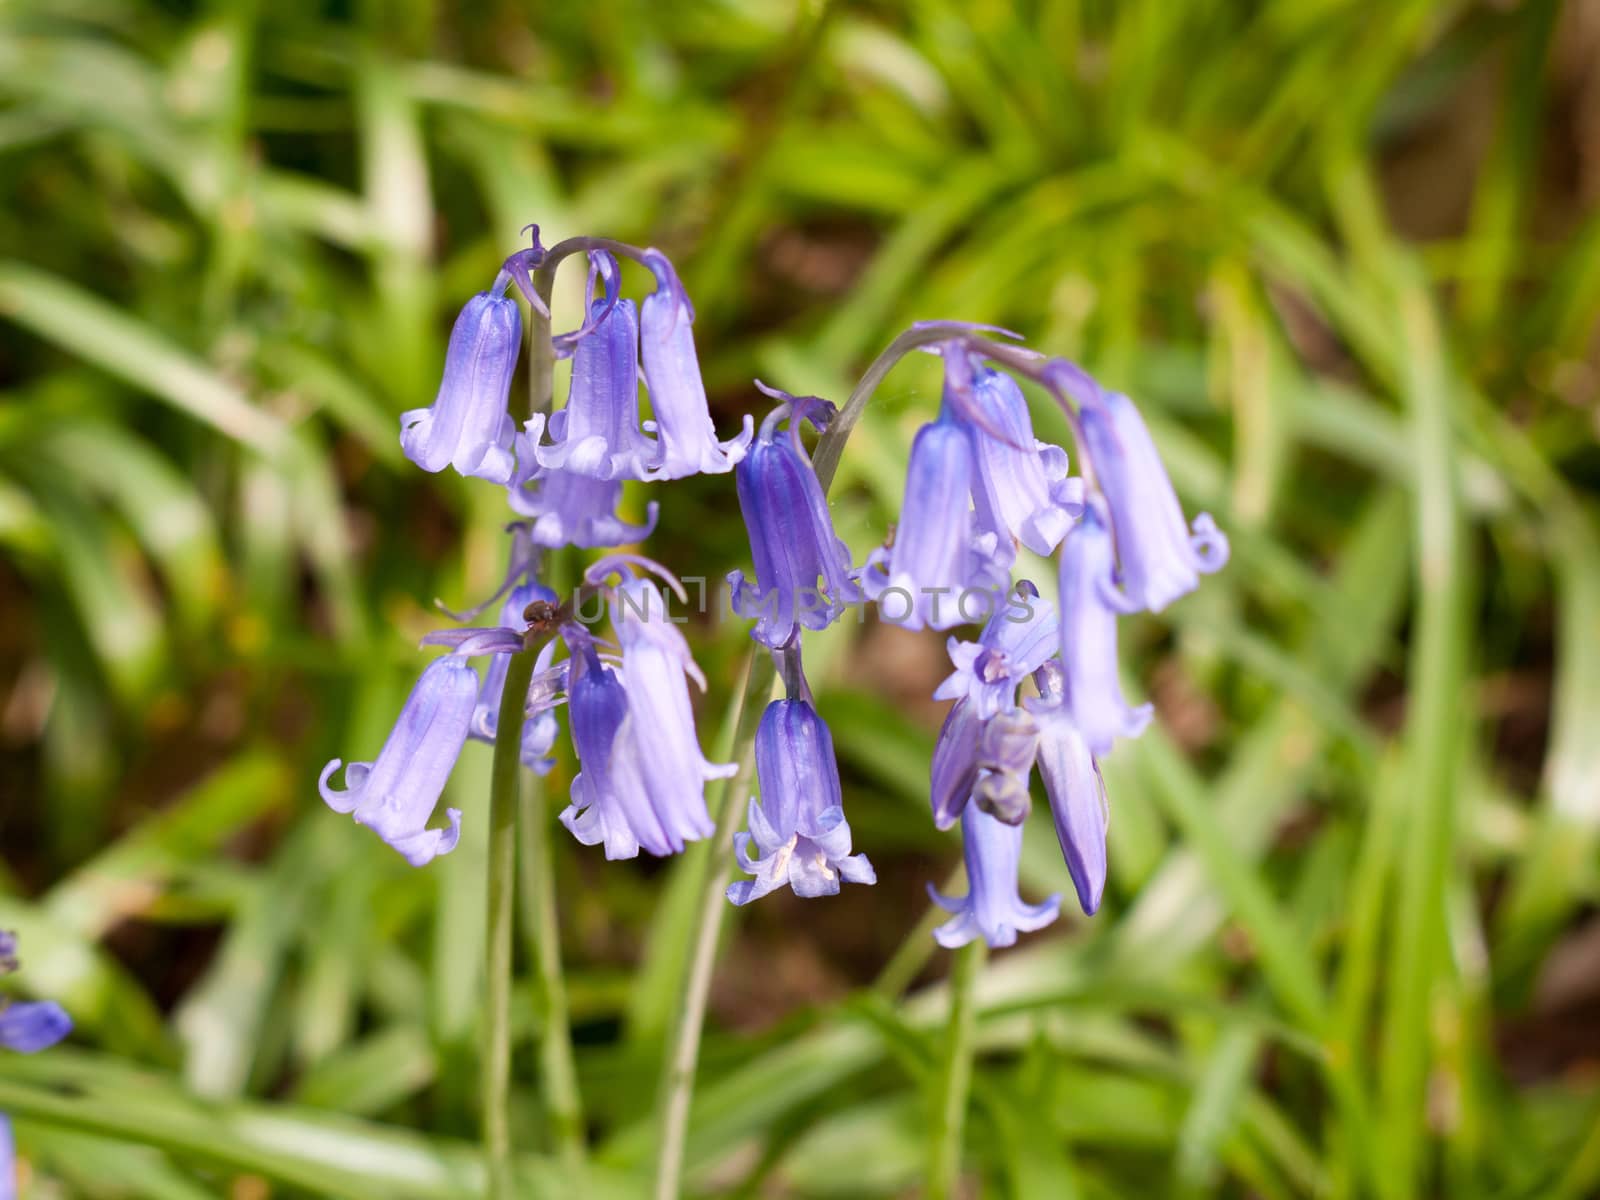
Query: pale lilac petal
{"points": [[395, 795], [468, 426], [991, 908]]}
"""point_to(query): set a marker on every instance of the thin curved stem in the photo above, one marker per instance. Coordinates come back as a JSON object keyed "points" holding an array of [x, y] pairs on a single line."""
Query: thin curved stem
{"points": [[830, 446], [946, 1129], [504, 785], [677, 1080], [558, 1071]]}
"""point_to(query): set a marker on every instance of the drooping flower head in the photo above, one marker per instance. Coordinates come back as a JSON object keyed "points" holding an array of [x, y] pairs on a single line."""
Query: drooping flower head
{"points": [[395, 795], [1159, 557], [597, 706], [568, 509], [803, 577], [1093, 692], [597, 434], [1076, 789], [1017, 480], [686, 440], [1020, 635], [467, 425], [26, 1026], [798, 828], [634, 730], [943, 570], [991, 909], [1006, 747]]}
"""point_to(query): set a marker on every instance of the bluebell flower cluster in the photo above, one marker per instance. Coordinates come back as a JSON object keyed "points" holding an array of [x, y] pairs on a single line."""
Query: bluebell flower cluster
{"points": [[642, 774], [25, 1027], [803, 581], [977, 484], [1037, 690], [1122, 546]]}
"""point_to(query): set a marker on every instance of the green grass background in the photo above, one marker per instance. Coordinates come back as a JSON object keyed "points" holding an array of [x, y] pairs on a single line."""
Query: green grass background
{"points": [[1345, 253]]}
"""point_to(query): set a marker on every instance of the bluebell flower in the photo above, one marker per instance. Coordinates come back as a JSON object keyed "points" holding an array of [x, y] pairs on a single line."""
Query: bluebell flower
{"points": [[28, 1027], [798, 828], [539, 732], [1006, 747], [991, 909], [792, 541], [657, 666], [954, 769], [1159, 556], [25, 1026], [642, 770], [1077, 794], [686, 440], [395, 795], [468, 426], [1019, 636], [1016, 477], [1093, 692], [943, 569], [569, 509], [597, 434], [601, 811]]}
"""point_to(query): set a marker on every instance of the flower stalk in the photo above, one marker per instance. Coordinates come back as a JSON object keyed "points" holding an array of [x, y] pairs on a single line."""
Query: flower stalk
{"points": [[677, 1079], [678, 1068], [955, 1075], [504, 788], [557, 1069]]}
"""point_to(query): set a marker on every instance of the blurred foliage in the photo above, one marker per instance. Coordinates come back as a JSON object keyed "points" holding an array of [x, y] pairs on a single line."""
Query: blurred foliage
{"points": [[1348, 257]]}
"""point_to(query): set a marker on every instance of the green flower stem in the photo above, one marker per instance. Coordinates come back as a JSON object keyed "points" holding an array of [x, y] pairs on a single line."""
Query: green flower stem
{"points": [[677, 1081], [557, 1070], [504, 786], [955, 1076]]}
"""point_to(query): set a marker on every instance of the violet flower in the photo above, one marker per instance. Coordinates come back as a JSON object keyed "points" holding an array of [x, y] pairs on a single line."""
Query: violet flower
{"points": [[570, 509], [792, 541], [26, 1026], [597, 434], [396, 794], [798, 828], [939, 562], [991, 909], [597, 707], [643, 775], [1006, 746], [1093, 692], [686, 440], [954, 769], [1077, 794], [657, 665], [1019, 636], [468, 426], [1159, 556], [1016, 477]]}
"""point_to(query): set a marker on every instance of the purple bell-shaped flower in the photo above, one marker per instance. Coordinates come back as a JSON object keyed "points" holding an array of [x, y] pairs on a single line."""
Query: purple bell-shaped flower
{"points": [[991, 909], [803, 577], [396, 794], [1159, 557], [1089, 639], [686, 440], [798, 829], [468, 426]]}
